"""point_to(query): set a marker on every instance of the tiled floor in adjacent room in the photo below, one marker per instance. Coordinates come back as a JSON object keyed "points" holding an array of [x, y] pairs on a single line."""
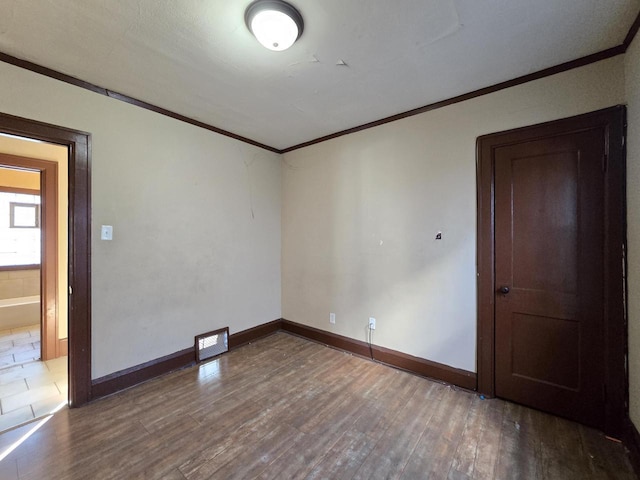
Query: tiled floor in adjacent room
{"points": [[29, 388]]}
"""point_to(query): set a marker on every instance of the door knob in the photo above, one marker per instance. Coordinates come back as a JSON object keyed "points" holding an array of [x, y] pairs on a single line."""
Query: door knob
{"points": [[504, 289]]}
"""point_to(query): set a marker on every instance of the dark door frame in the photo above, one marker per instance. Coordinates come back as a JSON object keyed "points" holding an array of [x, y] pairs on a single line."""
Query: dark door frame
{"points": [[48, 193], [613, 121], [79, 146]]}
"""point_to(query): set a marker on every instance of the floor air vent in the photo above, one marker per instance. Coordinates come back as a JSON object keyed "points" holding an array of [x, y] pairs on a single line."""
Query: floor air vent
{"points": [[212, 344]]}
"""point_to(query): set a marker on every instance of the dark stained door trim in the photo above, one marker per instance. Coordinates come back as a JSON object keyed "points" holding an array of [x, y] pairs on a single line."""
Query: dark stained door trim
{"points": [[615, 338], [79, 145]]}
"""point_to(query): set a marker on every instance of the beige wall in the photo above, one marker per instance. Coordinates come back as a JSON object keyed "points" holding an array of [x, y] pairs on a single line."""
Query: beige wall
{"points": [[361, 212], [632, 82], [196, 217], [58, 154], [18, 178]]}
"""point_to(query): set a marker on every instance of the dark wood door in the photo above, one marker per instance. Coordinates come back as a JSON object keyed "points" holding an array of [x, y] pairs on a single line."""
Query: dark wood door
{"points": [[549, 274]]}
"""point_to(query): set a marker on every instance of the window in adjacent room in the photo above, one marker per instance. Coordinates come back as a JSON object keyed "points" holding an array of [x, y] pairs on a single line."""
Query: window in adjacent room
{"points": [[19, 229]]}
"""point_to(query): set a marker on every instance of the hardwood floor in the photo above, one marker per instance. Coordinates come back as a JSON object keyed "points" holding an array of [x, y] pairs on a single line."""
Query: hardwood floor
{"points": [[284, 407]]}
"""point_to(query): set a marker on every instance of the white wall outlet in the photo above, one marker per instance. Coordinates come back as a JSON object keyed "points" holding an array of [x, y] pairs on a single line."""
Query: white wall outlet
{"points": [[332, 318], [106, 232], [372, 323]]}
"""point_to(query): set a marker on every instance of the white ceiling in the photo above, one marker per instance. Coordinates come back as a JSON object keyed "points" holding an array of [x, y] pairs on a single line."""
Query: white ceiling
{"points": [[197, 58]]}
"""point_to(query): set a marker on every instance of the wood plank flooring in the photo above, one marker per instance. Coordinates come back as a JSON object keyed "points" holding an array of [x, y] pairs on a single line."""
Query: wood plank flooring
{"points": [[285, 408]]}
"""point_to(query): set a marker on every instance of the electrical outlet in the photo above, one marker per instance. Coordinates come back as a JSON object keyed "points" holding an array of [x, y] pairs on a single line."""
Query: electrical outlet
{"points": [[372, 323], [332, 318]]}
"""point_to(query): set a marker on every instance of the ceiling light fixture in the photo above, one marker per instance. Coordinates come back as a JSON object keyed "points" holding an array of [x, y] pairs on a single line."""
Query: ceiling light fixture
{"points": [[275, 23]]}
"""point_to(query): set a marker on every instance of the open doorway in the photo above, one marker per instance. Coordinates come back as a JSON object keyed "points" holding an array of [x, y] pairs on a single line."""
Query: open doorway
{"points": [[78, 145], [20, 258], [33, 279]]}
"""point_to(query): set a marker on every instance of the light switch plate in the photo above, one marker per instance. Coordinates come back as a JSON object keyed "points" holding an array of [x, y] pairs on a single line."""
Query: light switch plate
{"points": [[106, 233]]}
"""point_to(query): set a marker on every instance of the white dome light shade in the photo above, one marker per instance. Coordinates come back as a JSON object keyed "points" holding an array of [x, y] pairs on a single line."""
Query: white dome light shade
{"points": [[274, 30], [274, 23]]}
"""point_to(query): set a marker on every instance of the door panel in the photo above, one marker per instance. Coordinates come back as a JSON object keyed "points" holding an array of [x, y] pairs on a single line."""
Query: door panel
{"points": [[546, 350], [545, 237], [549, 243]]}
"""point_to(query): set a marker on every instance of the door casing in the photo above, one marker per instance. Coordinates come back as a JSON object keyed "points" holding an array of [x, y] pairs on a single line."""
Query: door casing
{"points": [[49, 252], [79, 147], [613, 120]]}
